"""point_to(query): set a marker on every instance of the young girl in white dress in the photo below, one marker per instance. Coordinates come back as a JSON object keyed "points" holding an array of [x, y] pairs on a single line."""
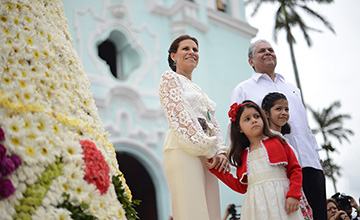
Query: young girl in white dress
{"points": [[276, 108], [267, 168]]}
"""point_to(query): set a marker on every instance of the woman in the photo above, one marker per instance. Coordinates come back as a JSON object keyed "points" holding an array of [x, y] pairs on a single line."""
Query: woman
{"points": [[333, 212], [194, 137]]}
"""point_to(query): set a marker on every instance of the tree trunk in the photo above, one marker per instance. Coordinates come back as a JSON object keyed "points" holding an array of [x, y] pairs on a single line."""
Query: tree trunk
{"points": [[332, 174], [294, 64]]}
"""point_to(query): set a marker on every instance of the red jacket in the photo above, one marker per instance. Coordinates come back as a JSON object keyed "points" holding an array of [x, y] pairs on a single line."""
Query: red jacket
{"points": [[277, 155]]}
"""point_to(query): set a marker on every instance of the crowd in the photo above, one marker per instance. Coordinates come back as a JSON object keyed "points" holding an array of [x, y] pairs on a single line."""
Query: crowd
{"points": [[274, 152]]}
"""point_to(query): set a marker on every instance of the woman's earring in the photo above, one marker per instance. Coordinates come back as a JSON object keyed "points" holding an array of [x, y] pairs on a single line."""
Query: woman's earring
{"points": [[174, 63]]}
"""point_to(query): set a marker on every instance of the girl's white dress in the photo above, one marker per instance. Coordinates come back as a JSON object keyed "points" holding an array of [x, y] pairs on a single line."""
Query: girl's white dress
{"points": [[266, 192]]}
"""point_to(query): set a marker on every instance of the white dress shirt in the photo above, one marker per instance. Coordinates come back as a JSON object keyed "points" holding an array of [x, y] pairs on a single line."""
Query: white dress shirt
{"points": [[301, 137]]}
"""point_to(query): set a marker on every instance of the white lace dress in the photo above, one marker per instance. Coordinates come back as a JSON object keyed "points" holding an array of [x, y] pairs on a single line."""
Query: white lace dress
{"points": [[266, 192], [193, 136]]}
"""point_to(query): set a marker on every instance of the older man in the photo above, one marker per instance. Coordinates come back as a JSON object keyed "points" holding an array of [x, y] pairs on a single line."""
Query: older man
{"points": [[264, 80]]}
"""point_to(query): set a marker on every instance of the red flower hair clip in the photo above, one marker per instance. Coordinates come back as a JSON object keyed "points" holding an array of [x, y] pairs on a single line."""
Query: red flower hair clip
{"points": [[234, 109]]}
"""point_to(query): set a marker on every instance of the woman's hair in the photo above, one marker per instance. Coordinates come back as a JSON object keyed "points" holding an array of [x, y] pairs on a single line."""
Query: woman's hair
{"points": [[333, 201], [239, 141], [269, 101], [174, 47]]}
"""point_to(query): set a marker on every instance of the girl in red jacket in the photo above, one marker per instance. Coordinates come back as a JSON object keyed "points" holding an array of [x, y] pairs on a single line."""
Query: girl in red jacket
{"points": [[267, 169]]}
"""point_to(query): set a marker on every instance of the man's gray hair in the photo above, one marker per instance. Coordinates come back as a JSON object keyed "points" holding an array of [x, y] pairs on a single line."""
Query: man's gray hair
{"points": [[252, 47]]}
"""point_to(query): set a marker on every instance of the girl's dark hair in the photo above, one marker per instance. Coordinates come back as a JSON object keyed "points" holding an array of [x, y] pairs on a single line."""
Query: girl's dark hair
{"points": [[239, 141], [175, 45], [269, 101]]}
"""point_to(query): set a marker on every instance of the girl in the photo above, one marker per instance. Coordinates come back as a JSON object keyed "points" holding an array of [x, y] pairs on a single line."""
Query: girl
{"points": [[276, 108], [267, 169]]}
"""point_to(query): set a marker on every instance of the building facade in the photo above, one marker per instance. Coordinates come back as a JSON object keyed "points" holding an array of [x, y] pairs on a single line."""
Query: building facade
{"points": [[123, 46]]}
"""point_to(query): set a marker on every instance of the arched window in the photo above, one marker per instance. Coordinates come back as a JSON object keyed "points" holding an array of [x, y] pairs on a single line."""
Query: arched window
{"points": [[107, 52], [120, 54]]}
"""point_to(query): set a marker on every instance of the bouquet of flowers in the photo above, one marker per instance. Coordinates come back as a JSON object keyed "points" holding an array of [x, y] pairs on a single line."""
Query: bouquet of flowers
{"points": [[55, 159]]}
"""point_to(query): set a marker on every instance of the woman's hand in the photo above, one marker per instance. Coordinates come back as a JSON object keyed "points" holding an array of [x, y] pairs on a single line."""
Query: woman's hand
{"points": [[340, 215], [291, 205], [220, 162]]}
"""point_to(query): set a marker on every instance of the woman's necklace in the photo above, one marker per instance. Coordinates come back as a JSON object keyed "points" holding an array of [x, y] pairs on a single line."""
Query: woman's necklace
{"points": [[198, 89]]}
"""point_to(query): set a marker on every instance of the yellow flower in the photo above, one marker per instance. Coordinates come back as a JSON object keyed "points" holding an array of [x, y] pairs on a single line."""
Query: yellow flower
{"points": [[16, 21], [22, 83], [3, 19], [36, 54], [30, 151], [6, 31], [9, 7], [28, 19], [27, 96], [9, 41], [41, 125], [15, 141], [27, 124], [14, 128], [29, 40], [44, 151], [56, 129], [18, 6], [66, 188], [121, 214], [6, 80]]}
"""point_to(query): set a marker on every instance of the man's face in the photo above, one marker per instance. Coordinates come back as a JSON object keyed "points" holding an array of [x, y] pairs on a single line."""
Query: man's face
{"points": [[264, 58]]}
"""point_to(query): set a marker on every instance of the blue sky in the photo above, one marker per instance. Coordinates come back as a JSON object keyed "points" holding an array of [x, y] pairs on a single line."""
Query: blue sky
{"points": [[328, 72]]}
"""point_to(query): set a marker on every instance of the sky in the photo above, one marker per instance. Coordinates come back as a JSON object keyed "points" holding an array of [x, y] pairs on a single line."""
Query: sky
{"points": [[327, 72]]}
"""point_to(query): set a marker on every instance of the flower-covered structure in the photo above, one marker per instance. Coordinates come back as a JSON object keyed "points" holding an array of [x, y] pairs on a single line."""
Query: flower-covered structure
{"points": [[55, 158]]}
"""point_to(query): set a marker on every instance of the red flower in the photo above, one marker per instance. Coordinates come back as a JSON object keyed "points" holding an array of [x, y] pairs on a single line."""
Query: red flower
{"points": [[97, 171], [234, 108]]}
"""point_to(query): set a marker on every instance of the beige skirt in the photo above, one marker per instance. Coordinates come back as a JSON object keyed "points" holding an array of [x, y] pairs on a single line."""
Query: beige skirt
{"points": [[194, 190]]}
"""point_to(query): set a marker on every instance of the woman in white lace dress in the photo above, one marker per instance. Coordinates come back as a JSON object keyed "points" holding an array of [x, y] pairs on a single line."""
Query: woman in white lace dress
{"points": [[194, 137]]}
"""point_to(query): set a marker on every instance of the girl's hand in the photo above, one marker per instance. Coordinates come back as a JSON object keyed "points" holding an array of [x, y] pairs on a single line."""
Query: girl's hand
{"points": [[291, 205], [220, 162]]}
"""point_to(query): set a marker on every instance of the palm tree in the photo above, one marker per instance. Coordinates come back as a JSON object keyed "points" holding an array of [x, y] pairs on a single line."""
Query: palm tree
{"points": [[331, 125], [287, 17]]}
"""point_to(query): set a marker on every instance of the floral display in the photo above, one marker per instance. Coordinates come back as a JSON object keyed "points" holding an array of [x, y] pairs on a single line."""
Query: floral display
{"points": [[55, 157]]}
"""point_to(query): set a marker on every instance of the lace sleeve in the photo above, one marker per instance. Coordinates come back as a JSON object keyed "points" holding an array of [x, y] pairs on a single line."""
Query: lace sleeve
{"points": [[182, 120]]}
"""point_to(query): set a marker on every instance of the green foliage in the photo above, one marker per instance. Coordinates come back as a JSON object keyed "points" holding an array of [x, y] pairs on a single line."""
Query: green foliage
{"points": [[330, 168], [77, 212], [129, 207], [330, 125], [35, 193]]}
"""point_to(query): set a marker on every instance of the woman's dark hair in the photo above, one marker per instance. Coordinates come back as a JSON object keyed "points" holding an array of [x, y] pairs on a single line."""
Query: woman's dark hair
{"points": [[333, 201], [239, 141], [175, 45], [269, 101]]}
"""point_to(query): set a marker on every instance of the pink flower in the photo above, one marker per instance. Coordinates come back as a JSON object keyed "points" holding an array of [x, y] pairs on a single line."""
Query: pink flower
{"points": [[97, 171], [6, 188]]}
